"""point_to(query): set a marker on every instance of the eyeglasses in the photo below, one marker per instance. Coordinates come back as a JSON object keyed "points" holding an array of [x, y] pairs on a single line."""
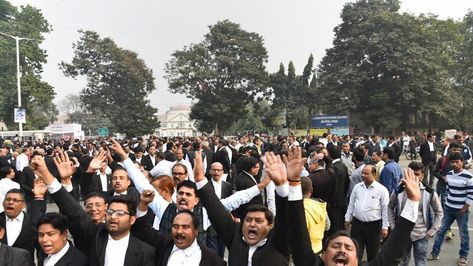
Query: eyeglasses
{"points": [[119, 213], [13, 200], [178, 174], [217, 170]]}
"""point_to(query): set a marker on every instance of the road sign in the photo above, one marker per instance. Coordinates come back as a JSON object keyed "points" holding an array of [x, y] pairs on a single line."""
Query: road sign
{"points": [[329, 121], [20, 115], [103, 131]]}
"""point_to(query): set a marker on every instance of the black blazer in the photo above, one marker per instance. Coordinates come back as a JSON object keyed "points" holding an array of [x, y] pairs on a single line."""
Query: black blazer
{"points": [[209, 156], [397, 152], [390, 254], [275, 252], [132, 157], [10, 256], [147, 163], [132, 194], [90, 182], [164, 244], [73, 257], [97, 184], [5, 161], [92, 238], [28, 237], [426, 155], [342, 182], [227, 189], [26, 180], [242, 182]]}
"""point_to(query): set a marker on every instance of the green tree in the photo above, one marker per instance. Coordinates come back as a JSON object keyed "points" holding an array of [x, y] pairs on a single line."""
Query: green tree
{"points": [[294, 94], [36, 95], [390, 66], [224, 73], [463, 72], [118, 84], [278, 83]]}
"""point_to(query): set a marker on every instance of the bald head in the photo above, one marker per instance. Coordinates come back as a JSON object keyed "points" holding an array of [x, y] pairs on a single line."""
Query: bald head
{"points": [[216, 170]]}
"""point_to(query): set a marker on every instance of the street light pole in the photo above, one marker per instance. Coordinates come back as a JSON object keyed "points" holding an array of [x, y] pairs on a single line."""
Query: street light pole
{"points": [[18, 83]]}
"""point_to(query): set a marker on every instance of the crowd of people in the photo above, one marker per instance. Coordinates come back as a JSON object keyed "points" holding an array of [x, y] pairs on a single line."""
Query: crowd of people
{"points": [[249, 200]]}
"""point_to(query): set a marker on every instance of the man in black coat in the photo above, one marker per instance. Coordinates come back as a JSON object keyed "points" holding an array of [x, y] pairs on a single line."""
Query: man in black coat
{"points": [[4, 159], [26, 180], [245, 180], [428, 154], [256, 241], [222, 190], [110, 242], [222, 156], [10, 256], [121, 185], [169, 153], [338, 206], [52, 237], [13, 205], [183, 237], [397, 150], [150, 160], [373, 145]]}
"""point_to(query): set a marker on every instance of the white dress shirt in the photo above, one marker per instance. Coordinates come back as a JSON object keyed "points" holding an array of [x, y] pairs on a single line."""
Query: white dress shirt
{"points": [[21, 162], [103, 181], [186, 257], [369, 204], [119, 194], [14, 228], [431, 146], [51, 260], [5, 185], [116, 250], [217, 188]]}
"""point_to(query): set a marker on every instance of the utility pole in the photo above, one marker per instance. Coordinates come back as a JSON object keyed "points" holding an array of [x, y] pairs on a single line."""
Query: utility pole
{"points": [[18, 84]]}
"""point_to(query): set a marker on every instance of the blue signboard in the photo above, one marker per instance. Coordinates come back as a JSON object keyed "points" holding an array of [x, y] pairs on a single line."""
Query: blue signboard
{"points": [[329, 121]]}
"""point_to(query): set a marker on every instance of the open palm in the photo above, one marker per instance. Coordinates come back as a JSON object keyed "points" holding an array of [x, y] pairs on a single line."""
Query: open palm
{"points": [[64, 166]]}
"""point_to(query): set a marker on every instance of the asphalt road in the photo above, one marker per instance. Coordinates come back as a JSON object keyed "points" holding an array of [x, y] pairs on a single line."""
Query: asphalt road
{"points": [[448, 255]]}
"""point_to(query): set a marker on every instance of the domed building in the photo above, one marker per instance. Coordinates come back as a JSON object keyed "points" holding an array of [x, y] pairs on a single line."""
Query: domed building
{"points": [[176, 122]]}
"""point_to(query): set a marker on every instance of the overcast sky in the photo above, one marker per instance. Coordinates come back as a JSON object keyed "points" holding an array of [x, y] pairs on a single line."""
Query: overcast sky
{"points": [[292, 30]]}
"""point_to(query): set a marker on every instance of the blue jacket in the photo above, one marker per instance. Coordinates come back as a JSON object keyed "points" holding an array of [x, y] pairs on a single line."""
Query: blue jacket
{"points": [[390, 175]]}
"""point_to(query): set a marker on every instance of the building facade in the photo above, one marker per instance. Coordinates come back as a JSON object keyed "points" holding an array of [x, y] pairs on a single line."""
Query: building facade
{"points": [[176, 122]]}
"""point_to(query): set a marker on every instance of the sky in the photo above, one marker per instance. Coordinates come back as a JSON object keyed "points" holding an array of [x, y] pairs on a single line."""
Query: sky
{"points": [[292, 30]]}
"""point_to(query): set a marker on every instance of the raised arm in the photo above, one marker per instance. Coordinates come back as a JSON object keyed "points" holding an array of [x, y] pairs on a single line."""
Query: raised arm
{"points": [[299, 240], [159, 204], [38, 206], [278, 173], [81, 225], [142, 229], [220, 218]]}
